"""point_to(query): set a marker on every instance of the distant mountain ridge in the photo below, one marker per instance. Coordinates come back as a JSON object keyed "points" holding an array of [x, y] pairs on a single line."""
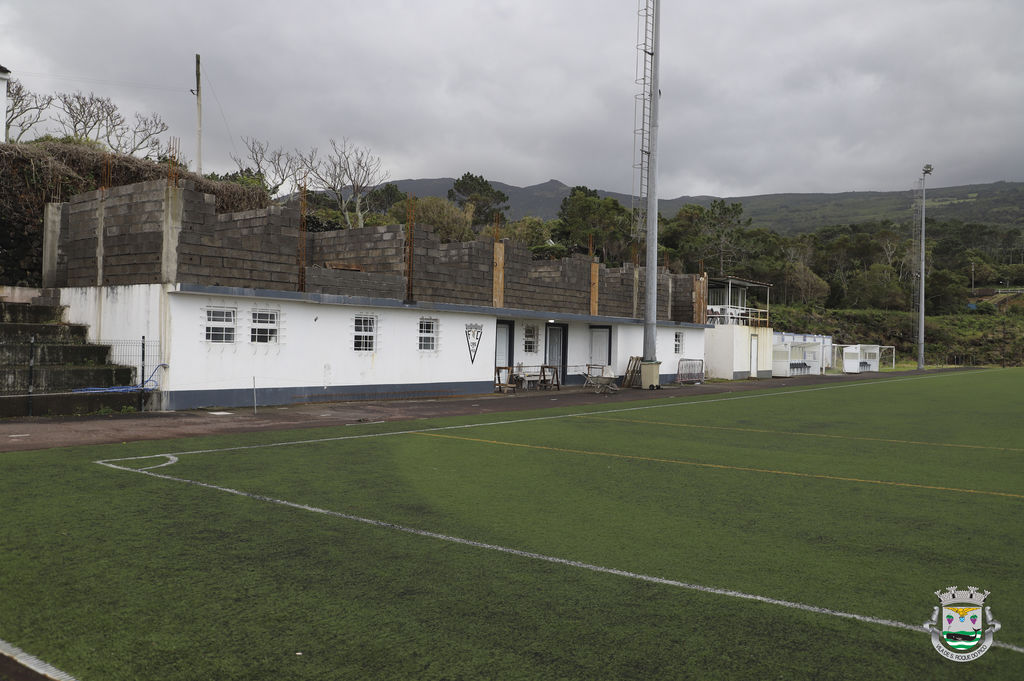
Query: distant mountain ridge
{"points": [[997, 203]]}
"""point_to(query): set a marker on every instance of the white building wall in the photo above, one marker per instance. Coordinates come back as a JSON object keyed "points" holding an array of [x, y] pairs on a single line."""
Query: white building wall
{"points": [[312, 356], [315, 347], [719, 351], [728, 351], [117, 312]]}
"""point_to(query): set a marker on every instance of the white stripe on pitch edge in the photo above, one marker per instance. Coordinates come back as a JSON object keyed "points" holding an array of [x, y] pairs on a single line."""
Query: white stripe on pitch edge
{"points": [[33, 663]]}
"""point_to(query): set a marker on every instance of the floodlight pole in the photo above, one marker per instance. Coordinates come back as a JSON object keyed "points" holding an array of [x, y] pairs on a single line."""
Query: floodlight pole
{"points": [[651, 279], [925, 172]]}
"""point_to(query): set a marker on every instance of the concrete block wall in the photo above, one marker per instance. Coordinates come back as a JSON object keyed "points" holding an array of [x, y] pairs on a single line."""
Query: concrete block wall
{"points": [[615, 293], [687, 298], [251, 249], [259, 249], [130, 219], [459, 273], [371, 249], [349, 282], [556, 285]]}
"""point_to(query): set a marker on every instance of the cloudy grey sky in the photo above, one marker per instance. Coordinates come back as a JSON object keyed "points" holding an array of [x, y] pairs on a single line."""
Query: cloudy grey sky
{"points": [[758, 96]]}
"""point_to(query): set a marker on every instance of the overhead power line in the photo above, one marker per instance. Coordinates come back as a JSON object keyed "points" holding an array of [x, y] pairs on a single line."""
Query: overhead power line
{"points": [[102, 81]]}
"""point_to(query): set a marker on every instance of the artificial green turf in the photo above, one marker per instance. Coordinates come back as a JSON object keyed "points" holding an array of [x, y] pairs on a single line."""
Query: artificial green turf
{"points": [[116, 575]]}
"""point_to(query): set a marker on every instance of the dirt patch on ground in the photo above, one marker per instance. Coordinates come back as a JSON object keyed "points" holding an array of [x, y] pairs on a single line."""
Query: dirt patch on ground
{"points": [[21, 434]]}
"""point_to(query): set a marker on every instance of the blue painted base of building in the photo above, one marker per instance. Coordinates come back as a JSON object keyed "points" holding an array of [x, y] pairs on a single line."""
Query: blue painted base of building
{"points": [[177, 400]]}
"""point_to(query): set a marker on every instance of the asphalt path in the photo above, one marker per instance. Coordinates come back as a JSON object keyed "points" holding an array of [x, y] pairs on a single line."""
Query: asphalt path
{"points": [[33, 433]]}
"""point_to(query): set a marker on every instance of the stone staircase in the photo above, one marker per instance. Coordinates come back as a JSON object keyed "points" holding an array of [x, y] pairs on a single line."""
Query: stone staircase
{"points": [[47, 366]]}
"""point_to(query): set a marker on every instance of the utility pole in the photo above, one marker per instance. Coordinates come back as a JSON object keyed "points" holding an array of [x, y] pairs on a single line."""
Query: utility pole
{"points": [[925, 172], [199, 120]]}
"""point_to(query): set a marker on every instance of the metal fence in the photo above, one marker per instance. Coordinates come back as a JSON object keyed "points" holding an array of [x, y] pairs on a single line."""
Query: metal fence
{"points": [[690, 371], [142, 355], [46, 365]]}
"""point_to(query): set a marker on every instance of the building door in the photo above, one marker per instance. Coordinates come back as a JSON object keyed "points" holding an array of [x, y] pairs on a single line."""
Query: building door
{"points": [[555, 347], [753, 356], [503, 344], [600, 345]]}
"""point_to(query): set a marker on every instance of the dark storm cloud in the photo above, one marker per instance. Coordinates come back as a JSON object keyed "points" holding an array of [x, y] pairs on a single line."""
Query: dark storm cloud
{"points": [[757, 97]]}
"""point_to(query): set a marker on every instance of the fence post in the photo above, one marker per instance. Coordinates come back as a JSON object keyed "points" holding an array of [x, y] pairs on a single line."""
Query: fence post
{"points": [[31, 367], [142, 377]]}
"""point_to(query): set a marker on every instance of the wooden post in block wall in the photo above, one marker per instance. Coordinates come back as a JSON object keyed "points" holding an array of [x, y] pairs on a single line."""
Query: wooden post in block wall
{"points": [[595, 280], [498, 278]]}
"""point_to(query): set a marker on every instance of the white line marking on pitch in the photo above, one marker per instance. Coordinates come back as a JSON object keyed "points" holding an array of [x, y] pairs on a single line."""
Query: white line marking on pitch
{"points": [[33, 663], [539, 556], [618, 410]]}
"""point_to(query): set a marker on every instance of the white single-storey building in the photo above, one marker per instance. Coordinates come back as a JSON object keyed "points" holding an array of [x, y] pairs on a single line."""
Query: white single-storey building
{"points": [[228, 346]]}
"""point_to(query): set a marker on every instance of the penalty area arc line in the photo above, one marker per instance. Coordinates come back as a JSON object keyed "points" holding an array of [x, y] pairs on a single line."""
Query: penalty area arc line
{"points": [[805, 607]]}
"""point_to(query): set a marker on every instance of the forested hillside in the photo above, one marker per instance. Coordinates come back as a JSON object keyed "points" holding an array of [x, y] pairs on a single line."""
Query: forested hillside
{"points": [[971, 339], [999, 203]]}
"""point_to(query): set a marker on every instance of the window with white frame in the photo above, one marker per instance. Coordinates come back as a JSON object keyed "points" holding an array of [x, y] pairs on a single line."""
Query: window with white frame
{"points": [[220, 325], [427, 334], [530, 339], [365, 337], [679, 343], [265, 326]]}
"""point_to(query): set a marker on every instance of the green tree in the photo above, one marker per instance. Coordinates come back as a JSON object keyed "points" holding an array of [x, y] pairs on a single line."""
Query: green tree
{"points": [[450, 222], [380, 199], [681, 237], [879, 287], [584, 216], [945, 292], [530, 231], [476, 191], [722, 233]]}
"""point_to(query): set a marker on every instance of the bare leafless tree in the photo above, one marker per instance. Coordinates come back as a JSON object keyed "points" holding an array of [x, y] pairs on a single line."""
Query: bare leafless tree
{"points": [[26, 109], [96, 118], [142, 138], [364, 171], [346, 174], [274, 166], [83, 116]]}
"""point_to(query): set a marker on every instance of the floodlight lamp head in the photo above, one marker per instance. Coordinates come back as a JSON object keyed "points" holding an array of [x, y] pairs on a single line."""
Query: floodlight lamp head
{"points": [[927, 170]]}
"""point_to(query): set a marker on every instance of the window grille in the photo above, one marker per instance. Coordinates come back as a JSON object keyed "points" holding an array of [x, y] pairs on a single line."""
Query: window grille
{"points": [[428, 334], [365, 338], [264, 327], [220, 325], [530, 339]]}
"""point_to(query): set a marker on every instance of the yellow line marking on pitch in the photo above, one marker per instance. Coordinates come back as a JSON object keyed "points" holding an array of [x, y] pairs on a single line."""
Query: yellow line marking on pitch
{"points": [[720, 466], [790, 432]]}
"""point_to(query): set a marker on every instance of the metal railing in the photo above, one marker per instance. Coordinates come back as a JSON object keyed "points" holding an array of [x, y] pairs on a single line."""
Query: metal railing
{"points": [[722, 315]]}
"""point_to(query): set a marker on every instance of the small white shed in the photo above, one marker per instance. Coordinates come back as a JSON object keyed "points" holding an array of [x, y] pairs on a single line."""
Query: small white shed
{"points": [[796, 359], [860, 358]]}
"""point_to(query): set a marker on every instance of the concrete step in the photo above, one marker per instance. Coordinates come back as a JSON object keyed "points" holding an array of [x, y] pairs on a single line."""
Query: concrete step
{"points": [[73, 403], [54, 354], [13, 332], [29, 313], [14, 379]]}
